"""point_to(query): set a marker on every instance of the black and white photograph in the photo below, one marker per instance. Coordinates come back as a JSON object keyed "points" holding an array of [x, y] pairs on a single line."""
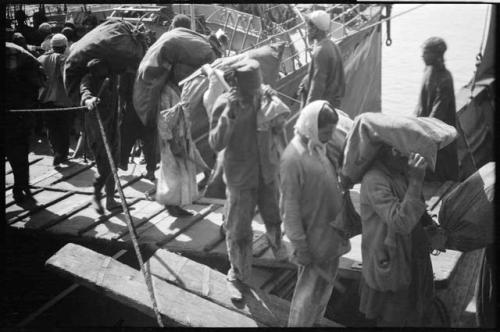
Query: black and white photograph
{"points": [[249, 165]]}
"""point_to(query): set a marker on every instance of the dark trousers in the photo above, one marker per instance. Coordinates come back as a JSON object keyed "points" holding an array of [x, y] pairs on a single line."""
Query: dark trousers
{"points": [[59, 126], [132, 129], [17, 132], [104, 176]]}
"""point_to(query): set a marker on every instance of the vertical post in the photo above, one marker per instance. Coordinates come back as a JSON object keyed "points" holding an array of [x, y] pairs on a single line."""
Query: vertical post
{"points": [[193, 19]]}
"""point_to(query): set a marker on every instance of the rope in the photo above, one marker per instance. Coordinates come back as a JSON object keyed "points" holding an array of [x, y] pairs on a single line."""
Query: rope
{"points": [[131, 228], [59, 109]]}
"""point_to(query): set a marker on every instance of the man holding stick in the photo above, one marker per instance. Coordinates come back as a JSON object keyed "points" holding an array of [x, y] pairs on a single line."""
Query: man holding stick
{"points": [[107, 99]]}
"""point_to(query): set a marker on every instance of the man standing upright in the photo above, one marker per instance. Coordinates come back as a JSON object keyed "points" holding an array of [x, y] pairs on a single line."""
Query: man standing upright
{"points": [[54, 95], [107, 105], [437, 100], [25, 76], [325, 78], [249, 173]]}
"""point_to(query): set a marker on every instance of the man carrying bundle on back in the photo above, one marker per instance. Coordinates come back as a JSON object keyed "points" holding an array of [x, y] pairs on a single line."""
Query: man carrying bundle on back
{"points": [[107, 104], [249, 174]]}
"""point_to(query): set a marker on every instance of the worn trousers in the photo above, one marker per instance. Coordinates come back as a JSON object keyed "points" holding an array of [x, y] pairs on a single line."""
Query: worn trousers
{"points": [[311, 295], [240, 210], [132, 129], [59, 126]]}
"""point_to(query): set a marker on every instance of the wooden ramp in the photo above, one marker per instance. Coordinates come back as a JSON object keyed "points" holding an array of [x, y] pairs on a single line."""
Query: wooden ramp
{"points": [[188, 293], [63, 210]]}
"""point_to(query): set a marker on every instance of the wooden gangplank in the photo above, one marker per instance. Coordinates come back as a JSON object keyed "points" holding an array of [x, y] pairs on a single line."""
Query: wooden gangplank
{"points": [[188, 293]]}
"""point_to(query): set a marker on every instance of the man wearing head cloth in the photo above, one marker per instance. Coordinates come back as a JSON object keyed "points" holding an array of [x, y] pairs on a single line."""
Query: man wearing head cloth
{"points": [[248, 171], [45, 32], [107, 106], [54, 95], [325, 78], [311, 199], [437, 100]]}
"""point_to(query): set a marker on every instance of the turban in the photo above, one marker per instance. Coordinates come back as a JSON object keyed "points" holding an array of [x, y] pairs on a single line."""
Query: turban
{"points": [[59, 40], [320, 19]]}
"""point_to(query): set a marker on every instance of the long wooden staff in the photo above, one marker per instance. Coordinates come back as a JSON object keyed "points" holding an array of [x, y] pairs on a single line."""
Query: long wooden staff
{"points": [[131, 228]]}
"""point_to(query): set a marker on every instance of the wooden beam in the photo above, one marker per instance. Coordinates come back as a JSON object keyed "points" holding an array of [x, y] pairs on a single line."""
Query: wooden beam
{"points": [[126, 285]]}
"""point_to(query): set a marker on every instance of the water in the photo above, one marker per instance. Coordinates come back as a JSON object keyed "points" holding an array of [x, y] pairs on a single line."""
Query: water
{"points": [[461, 26]]}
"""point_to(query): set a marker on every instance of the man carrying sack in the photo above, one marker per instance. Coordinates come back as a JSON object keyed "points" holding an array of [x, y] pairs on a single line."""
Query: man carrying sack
{"points": [[248, 172], [107, 104]]}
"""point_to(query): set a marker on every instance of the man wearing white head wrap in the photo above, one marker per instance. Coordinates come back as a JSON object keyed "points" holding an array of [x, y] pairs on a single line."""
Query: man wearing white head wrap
{"points": [[311, 198], [325, 78], [54, 95]]}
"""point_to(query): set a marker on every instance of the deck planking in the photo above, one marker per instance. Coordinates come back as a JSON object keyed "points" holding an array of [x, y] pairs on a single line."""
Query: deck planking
{"points": [[198, 235]]}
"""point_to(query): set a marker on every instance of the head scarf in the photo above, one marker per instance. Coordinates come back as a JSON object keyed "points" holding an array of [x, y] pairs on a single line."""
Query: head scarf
{"points": [[59, 40], [307, 126]]}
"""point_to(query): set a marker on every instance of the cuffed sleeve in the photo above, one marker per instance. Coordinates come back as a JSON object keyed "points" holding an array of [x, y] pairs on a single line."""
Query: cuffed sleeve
{"points": [[401, 217]]}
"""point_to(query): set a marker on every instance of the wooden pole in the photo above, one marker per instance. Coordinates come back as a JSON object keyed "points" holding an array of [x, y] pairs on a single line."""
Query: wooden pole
{"points": [[128, 217]]}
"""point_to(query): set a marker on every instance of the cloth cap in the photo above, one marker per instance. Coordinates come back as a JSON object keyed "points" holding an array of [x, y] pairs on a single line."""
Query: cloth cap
{"points": [[435, 45], [320, 19], [59, 40], [45, 28], [248, 75]]}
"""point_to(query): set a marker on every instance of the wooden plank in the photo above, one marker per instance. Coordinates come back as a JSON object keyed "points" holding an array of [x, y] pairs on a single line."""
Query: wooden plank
{"points": [[126, 285], [116, 227], [9, 199], [31, 161], [42, 218], [44, 201], [202, 233], [169, 229], [81, 221], [211, 284], [108, 224]]}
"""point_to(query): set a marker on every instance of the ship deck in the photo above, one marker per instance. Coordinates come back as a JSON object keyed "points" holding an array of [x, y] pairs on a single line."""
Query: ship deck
{"points": [[63, 210]]}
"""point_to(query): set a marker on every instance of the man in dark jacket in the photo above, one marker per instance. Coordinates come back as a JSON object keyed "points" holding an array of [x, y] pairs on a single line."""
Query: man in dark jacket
{"points": [[107, 106], [25, 76], [249, 174], [325, 78], [437, 100]]}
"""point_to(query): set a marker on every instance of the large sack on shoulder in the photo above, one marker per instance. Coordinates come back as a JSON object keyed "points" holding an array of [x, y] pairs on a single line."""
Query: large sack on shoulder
{"points": [[269, 57], [467, 214], [173, 57], [115, 41], [335, 146], [407, 134]]}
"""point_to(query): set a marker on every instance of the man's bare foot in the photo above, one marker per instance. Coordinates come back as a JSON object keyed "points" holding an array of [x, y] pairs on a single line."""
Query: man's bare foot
{"points": [[112, 205]]}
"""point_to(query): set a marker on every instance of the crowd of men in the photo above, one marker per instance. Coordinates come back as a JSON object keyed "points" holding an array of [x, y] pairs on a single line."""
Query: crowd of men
{"points": [[302, 189]]}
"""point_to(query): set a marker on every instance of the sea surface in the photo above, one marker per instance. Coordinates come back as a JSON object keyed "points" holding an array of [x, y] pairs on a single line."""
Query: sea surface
{"points": [[460, 25]]}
